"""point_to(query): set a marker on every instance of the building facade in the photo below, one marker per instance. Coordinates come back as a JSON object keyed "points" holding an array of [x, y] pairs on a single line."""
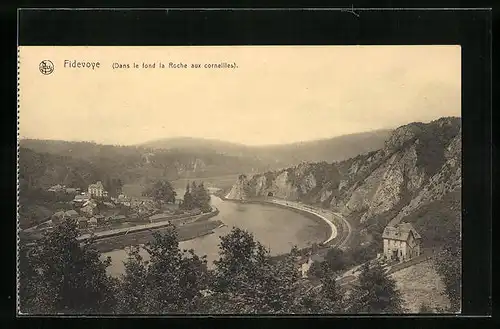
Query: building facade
{"points": [[401, 242], [97, 190]]}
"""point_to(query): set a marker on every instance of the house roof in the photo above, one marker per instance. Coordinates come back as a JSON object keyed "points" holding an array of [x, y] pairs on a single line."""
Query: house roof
{"points": [[91, 203], [71, 213], [96, 185], [400, 232], [59, 213]]}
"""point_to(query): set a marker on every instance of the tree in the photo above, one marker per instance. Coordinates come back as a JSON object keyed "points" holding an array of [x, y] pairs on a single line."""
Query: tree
{"points": [[377, 293], [196, 196], [450, 269], [172, 281], [133, 283], [70, 277], [331, 299], [318, 269], [202, 198], [248, 280], [194, 192], [362, 254], [119, 186], [162, 191], [29, 283], [277, 290], [240, 265], [188, 199], [335, 260]]}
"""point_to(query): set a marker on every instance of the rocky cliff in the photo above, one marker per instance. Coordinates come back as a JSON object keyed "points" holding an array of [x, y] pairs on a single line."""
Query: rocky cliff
{"points": [[418, 164]]}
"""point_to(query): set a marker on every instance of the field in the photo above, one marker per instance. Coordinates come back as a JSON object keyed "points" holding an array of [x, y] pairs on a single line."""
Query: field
{"points": [[421, 284]]}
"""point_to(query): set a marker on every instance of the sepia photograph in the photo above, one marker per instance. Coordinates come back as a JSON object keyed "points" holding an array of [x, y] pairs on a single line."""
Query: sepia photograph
{"points": [[239, 180]]}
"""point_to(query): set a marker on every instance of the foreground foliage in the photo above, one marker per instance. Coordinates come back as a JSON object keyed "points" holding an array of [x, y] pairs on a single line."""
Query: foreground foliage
{"points": [[376, 293], [60, 275]]}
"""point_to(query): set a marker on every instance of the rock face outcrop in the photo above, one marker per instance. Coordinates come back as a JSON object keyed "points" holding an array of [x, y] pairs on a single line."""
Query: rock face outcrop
{"points": [[240, 189], [419, 163]]}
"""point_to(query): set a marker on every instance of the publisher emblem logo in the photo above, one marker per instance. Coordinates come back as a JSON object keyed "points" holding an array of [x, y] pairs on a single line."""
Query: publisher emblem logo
{"points": [[46, 67]]}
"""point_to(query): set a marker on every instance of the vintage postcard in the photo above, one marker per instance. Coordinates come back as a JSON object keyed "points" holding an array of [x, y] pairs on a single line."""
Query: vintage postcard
{"points": [[239, 180]]}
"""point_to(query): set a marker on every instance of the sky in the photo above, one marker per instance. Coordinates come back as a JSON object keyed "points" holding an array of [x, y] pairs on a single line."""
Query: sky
{"points": [[276, 95]]}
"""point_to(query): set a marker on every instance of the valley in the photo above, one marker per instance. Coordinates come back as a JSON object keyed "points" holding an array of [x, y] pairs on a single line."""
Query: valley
{"points": [[414, 177]]}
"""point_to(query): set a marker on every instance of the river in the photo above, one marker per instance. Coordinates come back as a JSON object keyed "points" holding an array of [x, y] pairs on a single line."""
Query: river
{"points": [[277, 228]]}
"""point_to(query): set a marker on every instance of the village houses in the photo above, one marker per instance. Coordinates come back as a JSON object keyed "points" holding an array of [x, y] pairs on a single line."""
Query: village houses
{"points": [[56, 188], [89, 208], [82, 222], [93, 222], [401, 242], [124, 200], [63, 189]]}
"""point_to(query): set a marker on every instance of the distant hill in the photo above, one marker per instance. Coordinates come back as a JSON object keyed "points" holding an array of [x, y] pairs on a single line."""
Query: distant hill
{"points": [[198, 145], [49, 162], [331, 149]]}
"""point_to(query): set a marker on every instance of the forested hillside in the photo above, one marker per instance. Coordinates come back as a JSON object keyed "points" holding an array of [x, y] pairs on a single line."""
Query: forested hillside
{"points": [[47, 161], [43, 164]]}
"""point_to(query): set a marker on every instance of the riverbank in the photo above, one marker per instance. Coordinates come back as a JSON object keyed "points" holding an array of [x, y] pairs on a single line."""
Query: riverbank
{"points": [[147, 227], [185, 232], [318, 215], [340, 229]]}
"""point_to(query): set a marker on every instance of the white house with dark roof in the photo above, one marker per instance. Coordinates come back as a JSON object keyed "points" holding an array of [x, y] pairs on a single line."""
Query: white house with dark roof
{"points": [[97, 190], [401, 242]]}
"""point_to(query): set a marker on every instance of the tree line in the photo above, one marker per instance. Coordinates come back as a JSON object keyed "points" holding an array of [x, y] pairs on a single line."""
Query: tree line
{"points": [[61, 275], [196, 197]]}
